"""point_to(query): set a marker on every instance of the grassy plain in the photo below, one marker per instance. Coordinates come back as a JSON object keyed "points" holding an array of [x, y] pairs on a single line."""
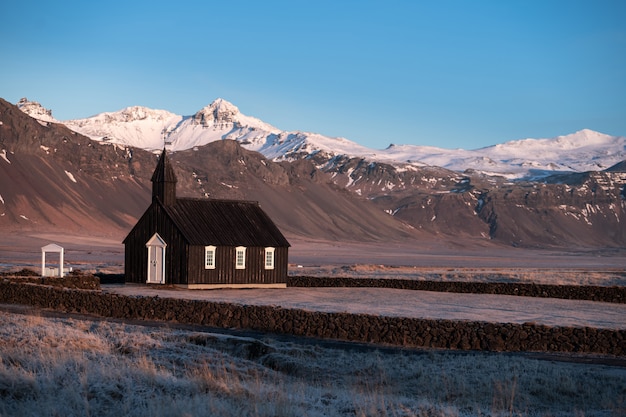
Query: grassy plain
{"points": [[78, 367]]}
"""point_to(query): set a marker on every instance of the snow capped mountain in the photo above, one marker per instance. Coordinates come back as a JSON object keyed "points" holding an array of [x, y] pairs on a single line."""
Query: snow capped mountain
{"points": [[133, 126], [219, 120], [582, 151], [150, 129]]}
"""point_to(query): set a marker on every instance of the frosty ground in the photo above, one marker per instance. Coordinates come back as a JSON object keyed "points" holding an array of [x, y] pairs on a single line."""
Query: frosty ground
{"points": [[70, 366], [75, 367]]}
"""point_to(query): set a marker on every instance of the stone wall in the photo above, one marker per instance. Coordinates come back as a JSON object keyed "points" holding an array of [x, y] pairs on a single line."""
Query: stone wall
{"points": [[612, 294], [410, 332], [75, 279]]}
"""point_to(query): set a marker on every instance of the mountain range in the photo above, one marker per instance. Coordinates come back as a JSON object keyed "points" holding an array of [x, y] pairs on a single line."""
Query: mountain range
{"points": [[93, 175], [151, 129]]}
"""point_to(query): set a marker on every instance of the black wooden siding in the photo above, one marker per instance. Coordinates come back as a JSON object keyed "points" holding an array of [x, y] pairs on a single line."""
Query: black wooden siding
{"points": [[136, 255], [226, 273]]}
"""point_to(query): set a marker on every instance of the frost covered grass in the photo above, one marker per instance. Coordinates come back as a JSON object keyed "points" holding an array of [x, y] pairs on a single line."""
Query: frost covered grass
{"points": [[76, 367]]}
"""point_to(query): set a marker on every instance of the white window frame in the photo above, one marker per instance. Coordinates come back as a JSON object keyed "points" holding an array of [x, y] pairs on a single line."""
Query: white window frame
{"points": [[240, 257], [209, 250], [269, 258]]}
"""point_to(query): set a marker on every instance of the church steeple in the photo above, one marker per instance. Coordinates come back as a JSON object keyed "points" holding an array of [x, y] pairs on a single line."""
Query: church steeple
{"points": [[164, 181]]}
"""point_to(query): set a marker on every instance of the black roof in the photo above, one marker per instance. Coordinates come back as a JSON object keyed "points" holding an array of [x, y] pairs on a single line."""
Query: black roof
{"points": [[224, 223]]}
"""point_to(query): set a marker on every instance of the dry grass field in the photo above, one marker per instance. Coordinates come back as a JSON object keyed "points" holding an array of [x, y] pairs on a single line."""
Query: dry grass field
{"points": [[553, 276], [78, 367]]}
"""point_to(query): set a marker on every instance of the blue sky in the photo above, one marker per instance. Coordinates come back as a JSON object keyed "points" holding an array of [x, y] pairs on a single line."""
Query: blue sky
{"points": [[453, 74]]}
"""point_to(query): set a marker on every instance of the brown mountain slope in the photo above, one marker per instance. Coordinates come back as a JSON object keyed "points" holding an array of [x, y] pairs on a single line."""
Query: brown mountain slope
{"points": [[50, 179], [301, 199], [54, 179], [566, 210]]}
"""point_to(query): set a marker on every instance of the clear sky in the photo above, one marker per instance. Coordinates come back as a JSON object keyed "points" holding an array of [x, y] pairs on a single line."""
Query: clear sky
{"points": [[453, 74]]}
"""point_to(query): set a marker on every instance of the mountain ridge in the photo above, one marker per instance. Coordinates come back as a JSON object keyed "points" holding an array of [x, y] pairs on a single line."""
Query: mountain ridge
{"points": [[529, 158]]}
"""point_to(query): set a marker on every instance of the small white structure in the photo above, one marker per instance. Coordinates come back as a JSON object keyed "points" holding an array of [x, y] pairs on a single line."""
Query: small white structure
{"points": [[50, 272]]}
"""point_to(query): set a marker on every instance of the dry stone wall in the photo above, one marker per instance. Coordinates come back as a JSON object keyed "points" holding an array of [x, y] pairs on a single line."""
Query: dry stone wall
{"points": [[612, 294], [410, 332], [71, 280]]}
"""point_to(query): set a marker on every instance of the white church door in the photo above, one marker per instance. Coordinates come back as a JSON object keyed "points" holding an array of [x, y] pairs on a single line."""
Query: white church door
{"points": [[156, 260]]}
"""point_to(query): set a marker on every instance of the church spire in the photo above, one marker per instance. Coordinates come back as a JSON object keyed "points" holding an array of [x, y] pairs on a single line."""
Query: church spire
{"points": [[164, 181]]}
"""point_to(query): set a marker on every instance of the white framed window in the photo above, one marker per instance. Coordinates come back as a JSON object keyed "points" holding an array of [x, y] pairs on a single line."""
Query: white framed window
{"points": [[269, 258], [240, 257], [209, 257]]}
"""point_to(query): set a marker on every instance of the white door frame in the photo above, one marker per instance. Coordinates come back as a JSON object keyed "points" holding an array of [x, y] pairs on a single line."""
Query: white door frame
{"points": [[156, 260], [52, 247]]}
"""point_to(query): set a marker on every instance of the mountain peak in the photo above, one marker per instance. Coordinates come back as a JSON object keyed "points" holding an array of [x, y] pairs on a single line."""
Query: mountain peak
{"points": [[218, 112], [35, 110], [134, 113], [587, 132], [585, 135], [224, 104]]}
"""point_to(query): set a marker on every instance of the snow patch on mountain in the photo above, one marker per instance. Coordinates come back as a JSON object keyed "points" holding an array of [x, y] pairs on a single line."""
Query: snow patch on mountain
{"points": [[3, 155], [292, 145], [70, 176]]}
